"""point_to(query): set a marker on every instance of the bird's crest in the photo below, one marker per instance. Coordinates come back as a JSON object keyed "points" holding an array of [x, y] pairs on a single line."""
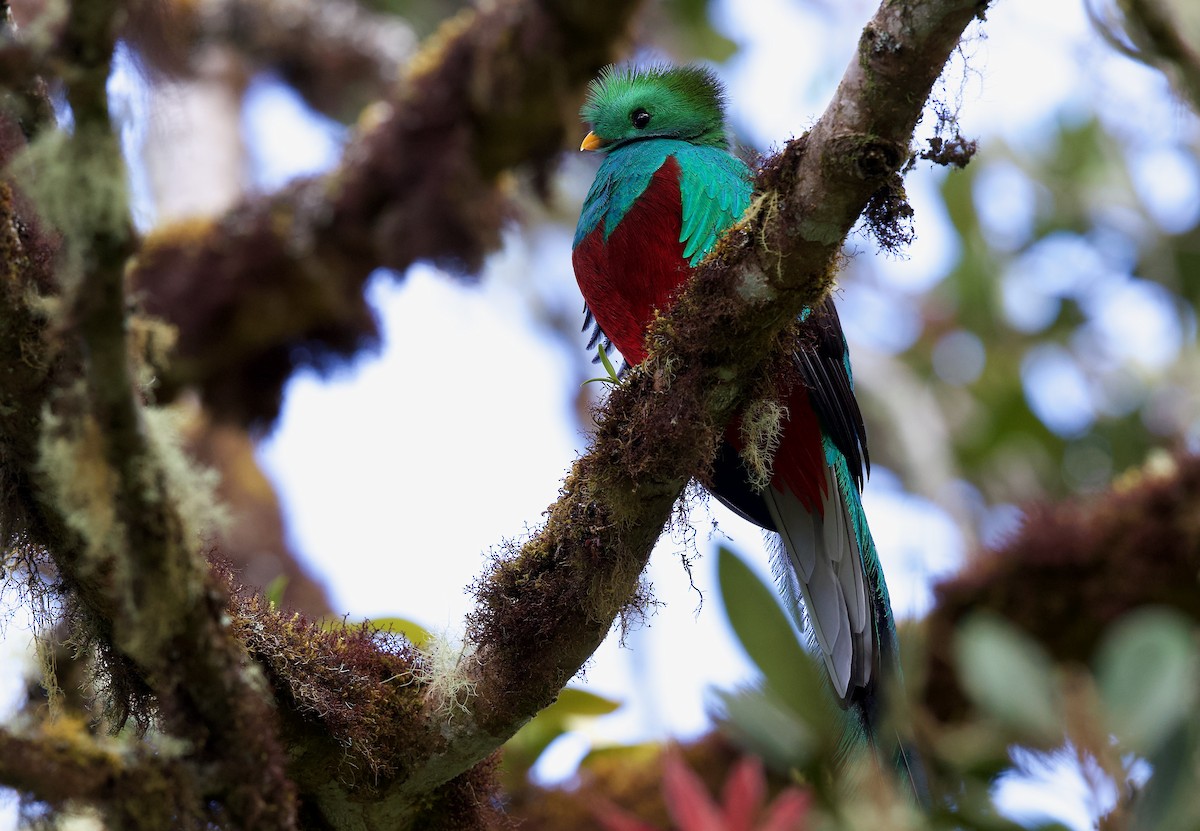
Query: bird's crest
{"points": [[684, 102]]}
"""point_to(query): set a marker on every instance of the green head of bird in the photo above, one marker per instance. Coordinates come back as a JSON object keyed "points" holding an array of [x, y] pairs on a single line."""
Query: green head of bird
{"points": [[626, 105]]}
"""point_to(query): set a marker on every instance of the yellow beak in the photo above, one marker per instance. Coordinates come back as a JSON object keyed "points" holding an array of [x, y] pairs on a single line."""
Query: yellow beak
{"points": [[591, 142]]}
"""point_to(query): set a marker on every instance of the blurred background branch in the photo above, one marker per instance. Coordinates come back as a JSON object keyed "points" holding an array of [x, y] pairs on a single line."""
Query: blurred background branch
{"points": [[339, 55], [421, 181], [1152, 31]]}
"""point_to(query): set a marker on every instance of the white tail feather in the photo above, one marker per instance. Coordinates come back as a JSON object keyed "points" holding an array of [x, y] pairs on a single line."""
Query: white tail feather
{"points": [[824, 554]]}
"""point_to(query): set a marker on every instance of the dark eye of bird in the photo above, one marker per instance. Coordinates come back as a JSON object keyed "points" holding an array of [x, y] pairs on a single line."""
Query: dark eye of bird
{"points": [[640, 118]]}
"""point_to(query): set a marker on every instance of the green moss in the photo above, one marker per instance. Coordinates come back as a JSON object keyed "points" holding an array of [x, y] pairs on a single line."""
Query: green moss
{"points": [[361, 685]]}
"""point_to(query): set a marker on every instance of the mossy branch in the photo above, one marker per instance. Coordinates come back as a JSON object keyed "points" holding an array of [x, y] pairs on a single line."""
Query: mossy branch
{"points": [[1074, 569], [282, 276], [542, 613], [104, 501], [60, 762]]}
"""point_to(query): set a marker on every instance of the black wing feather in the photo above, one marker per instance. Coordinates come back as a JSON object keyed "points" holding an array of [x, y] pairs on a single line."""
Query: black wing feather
{"points": [[823, 367], [598, 336]]}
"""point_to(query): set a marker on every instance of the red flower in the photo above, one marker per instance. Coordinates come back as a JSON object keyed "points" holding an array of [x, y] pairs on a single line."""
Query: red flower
{"points": [[692, 808]]}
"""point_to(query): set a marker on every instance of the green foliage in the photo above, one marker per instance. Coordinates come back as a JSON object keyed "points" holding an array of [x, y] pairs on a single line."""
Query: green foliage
{"points": [[790, 719], [1009, 677], [1147, 672], [572, 709], [1079, 229], [756, 720], [612, 377], [1141, 702], [764, 631]]}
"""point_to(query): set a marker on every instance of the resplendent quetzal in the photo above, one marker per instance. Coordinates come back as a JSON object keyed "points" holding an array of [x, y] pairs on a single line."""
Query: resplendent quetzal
{"points": [[667, 188]]}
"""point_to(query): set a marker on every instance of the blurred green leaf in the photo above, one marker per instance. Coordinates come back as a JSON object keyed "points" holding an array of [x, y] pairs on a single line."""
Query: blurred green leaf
{"points": [[1147, 672], [572, 702], [632, 755], [572, 706], [695, 32], [275, 589], [415, 632], [755, 719], [1008, 676], [1168, 801], [423, 15], [766, 634]]}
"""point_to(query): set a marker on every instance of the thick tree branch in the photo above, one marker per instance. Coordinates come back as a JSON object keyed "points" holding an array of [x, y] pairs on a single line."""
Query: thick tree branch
{"points": [[1155, 39], [59, 762], [282, 277], [92, 469], [661, 428]]}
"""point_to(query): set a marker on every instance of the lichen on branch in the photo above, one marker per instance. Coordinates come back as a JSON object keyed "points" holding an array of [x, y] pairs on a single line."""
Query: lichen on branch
{"points": [[99, 485]]}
